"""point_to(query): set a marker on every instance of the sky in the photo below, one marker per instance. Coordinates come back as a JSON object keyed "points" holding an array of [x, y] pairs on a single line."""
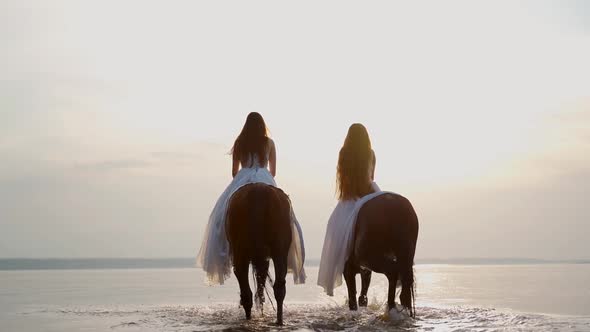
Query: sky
{"points": [[116, 119]]}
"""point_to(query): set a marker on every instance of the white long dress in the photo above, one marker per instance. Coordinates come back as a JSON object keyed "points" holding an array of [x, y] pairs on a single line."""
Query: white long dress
{"points": [[339, 238], [214, 256]]}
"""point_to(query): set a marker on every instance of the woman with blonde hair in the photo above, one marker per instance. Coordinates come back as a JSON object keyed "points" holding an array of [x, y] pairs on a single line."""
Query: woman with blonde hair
{"points": [[355, 186]]}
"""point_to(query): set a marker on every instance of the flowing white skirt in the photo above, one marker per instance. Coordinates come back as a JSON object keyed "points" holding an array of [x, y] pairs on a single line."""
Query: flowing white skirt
{"points": [[214, 256], [338, 240]]}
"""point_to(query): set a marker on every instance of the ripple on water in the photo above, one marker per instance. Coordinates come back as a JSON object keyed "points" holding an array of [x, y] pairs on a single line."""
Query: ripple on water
{"points": [[327, 317]]}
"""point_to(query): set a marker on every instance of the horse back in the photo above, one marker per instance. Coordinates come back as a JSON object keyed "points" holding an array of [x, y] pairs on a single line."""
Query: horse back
{"points": [[258, 222], [386, 224]]}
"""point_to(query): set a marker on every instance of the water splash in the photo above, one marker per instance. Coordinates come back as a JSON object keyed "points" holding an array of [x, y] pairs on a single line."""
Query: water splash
{"points": [[326, 317]]}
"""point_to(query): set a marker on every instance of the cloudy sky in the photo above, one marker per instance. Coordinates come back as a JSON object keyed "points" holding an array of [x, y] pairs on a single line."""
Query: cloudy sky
{"points": [[116, 118]]}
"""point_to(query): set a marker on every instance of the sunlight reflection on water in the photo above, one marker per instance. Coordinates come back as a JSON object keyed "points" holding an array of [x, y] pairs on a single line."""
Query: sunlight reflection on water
{"points": [[449, 297]]}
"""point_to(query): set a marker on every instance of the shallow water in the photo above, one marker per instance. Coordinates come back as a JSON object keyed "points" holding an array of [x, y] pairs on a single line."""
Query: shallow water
{"points": [[450, 297]]}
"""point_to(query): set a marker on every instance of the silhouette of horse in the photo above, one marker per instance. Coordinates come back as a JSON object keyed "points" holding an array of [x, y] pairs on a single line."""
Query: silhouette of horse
{"points": [[258, 228], [385, 238]]}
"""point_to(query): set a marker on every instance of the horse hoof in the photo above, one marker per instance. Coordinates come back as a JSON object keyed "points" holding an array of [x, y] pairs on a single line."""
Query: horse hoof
{"points": [[363, 302], [279, 322], [353, 306]]}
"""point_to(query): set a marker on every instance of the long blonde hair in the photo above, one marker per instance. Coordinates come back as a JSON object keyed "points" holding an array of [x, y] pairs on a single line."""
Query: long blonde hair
{"points": [[354, 162]]}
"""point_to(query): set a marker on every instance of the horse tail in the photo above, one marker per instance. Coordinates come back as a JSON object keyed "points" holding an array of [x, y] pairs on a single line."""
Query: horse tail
{"points": [[258, 216], [406, 273]]}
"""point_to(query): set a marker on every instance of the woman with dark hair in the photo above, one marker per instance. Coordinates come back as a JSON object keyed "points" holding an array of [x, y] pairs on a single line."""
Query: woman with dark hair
{"points": [[355, 186], [253, 161]]}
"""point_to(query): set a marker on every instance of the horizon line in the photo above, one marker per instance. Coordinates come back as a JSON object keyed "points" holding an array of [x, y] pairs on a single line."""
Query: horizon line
{"points": [[311, 259]]}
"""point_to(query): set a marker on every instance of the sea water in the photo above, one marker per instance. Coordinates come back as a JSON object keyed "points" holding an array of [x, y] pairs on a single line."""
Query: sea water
{"points": [[551, 297]]}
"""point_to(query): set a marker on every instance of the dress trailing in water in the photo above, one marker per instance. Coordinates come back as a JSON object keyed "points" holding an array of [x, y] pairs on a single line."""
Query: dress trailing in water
{"points": [[214, 256], [339, 239]]}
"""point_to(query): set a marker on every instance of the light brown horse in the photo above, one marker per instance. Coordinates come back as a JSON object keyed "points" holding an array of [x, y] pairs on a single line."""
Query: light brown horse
{"points": [[385, 238], [258, 229]]}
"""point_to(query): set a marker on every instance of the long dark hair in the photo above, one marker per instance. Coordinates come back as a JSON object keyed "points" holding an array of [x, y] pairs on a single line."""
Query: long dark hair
{"points": [[354, 162], [253, 139]]}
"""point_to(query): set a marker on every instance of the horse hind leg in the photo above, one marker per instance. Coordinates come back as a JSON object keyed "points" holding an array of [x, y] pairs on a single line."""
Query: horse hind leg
{"points": [[392, 279], [351, 268], [389, 267], [279, 286], [241, 272], [406, 274], [365, 282]]}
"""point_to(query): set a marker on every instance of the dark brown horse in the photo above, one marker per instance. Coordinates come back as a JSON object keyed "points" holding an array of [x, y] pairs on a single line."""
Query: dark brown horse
{"points": [[385, 238], [258, 229]]}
